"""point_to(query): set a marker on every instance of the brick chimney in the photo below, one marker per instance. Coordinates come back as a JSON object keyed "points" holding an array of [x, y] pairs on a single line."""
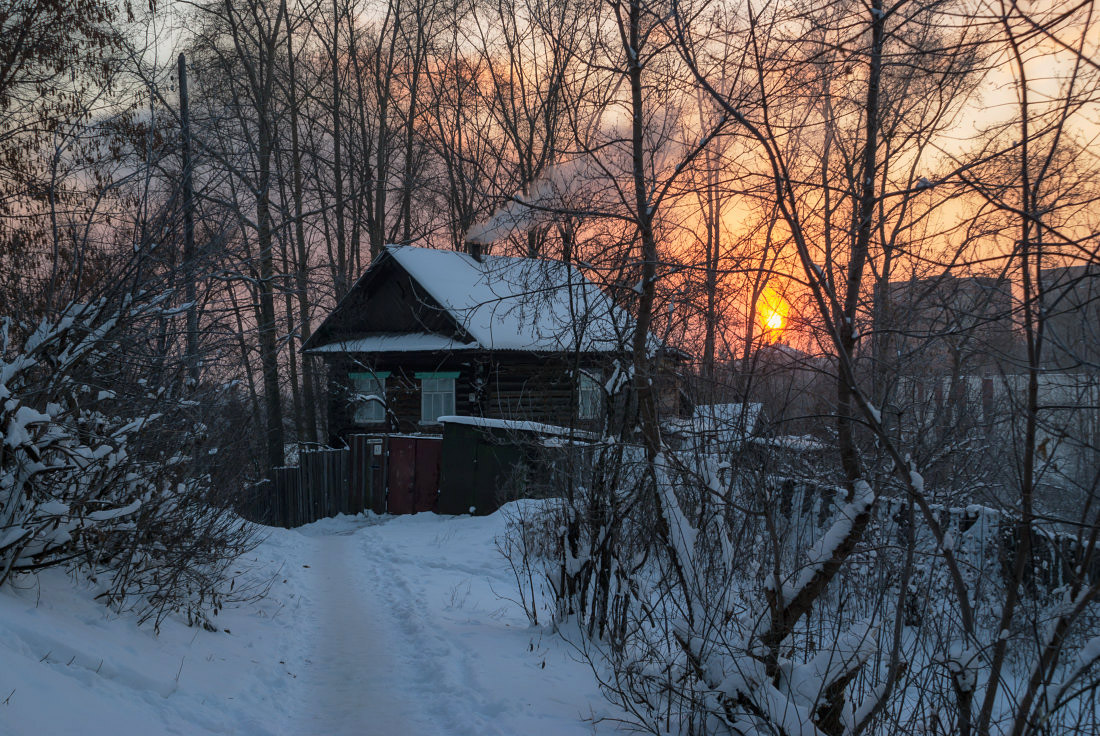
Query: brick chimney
{"points": [[474, 247]]}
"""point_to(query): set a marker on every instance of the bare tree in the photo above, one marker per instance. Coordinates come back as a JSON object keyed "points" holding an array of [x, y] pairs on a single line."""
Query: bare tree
{"points": [[252, 33]]}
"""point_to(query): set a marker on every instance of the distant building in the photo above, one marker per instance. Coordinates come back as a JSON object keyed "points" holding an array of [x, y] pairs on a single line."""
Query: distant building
{"points": [[943, 324], [1071, 305], [951, 366]]}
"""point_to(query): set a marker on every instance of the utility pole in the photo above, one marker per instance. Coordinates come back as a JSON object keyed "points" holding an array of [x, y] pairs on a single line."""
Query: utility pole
{"points": [[191, 292]]}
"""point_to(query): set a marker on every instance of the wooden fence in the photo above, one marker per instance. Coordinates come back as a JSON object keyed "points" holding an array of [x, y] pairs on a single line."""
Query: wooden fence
{"points": [[328, 482], [983, 538], [325, 483]]}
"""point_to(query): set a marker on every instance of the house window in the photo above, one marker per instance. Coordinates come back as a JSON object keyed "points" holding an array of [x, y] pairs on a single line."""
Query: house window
{"points": [[369, 396], [437, 396], [589, 397]]}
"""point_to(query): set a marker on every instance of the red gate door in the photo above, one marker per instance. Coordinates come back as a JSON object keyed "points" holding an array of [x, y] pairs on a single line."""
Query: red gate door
{"points": [[429, 453], [402, 475]]}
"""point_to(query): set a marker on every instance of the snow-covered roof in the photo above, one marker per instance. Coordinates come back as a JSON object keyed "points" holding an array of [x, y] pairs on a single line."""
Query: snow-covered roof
{"points": [[718, 415], [508, 303], [804, 443], [517, 425], [398, 342]]}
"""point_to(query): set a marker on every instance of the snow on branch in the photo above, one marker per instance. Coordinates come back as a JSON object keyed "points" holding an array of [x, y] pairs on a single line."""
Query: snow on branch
{"points": [[102, 483], [824, 551]]}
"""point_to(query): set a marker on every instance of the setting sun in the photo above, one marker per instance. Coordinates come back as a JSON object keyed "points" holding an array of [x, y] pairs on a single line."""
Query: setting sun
{"points": [[772, 310]]}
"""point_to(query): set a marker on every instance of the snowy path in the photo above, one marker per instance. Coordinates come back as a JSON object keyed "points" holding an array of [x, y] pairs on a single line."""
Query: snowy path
{"points": [[348, 678], [409, 636], [393, 626]]}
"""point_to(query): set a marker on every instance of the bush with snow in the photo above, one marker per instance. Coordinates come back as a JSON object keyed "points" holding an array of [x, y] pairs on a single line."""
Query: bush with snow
{"points": [[97, 467], [710, 605]]}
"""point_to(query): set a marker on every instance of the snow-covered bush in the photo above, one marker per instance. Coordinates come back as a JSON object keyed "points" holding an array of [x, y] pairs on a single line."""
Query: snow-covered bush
{"points": [[709, 605], [98, 466]]}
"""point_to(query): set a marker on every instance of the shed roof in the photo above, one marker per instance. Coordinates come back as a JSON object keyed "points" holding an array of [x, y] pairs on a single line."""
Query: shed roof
{"points": [[502, 303]]}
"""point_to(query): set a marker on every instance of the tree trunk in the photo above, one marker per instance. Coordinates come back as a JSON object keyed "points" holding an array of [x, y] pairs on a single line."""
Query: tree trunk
{"points": [[269, 348], [342, 270], [301, 265]]}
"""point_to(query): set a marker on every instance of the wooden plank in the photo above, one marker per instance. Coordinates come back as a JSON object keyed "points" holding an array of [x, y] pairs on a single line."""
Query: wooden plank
{"points": [[289, 494], [280, 498], [299, 497], [276, 498], [378, 475], [332, 482], [342, 480], [316, 486], [332, 490], [351, 457], [324, 507], [333, 469], [365, 469], [277, 492], [292, 498], [359, 465], [309, 480], [318, 489], [339, 487], [303, 491], [344, 455], [303, 498]]}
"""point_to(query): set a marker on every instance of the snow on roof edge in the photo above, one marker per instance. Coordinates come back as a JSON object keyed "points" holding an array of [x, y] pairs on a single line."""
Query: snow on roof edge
{"points": [[406, 342], [518, 425]]}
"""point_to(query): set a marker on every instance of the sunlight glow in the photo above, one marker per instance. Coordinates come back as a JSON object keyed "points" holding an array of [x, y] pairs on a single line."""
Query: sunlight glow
{"points": [[772, 310]]}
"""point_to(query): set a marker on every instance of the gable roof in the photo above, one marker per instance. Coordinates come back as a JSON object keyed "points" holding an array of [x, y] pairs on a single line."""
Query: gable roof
{"points": [[498, 302]]}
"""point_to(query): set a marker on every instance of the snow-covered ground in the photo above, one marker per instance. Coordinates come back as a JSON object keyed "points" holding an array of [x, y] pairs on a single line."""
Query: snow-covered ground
{"points": [[393, 625]]}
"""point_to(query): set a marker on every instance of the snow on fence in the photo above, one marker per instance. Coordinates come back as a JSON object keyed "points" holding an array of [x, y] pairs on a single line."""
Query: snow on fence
{"points": [[984, 539], [325, 483]]}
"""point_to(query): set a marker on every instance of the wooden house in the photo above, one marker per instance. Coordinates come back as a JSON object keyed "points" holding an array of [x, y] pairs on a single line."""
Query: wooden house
{"points": [[428, 333]]}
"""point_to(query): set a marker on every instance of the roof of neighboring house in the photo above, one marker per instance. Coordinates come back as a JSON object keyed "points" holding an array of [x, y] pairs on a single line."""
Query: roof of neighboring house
{"points": [[804, 443], [715, 427], [497, 303]]}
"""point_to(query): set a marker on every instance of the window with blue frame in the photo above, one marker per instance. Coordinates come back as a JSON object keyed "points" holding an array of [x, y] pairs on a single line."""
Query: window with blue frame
{"points": [[369, 396], [437, 396]]}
